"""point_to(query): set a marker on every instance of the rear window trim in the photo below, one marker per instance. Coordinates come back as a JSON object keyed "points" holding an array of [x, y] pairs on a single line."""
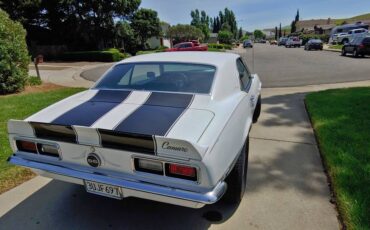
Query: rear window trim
{"points": [[154, 62]]}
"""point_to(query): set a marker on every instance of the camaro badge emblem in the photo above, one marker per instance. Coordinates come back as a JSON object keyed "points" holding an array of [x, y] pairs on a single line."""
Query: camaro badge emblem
{"points": [[93, 160], [166, 145]]}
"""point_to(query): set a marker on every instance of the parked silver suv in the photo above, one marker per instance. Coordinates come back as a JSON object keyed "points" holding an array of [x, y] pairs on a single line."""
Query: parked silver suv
{"points": [[345, 38], [293, 42]]}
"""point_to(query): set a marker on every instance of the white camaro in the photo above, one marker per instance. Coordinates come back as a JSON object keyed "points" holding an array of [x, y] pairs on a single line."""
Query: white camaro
{"points": [[170, 127]]}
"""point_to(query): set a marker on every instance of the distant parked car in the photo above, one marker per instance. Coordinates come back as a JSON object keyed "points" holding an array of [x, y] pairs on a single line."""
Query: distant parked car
{"points": [[338, 30], [247, 43], [282, 41], [293, 42], [188, 46], [314, 44], [359, 46], [273, 42], [344, 38]]}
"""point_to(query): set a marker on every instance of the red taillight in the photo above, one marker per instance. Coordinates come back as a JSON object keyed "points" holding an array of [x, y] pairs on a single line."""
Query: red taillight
{"points": [[181, 171], [361, 46], [26, 146]]}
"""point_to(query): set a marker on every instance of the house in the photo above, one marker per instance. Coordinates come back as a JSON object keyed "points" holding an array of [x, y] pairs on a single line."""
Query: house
{"points": [[163, 40], [213, 38], [270, 33]]}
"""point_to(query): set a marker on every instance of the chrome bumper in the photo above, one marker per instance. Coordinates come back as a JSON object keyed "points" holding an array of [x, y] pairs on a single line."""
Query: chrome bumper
{"points": [[130, 188]]}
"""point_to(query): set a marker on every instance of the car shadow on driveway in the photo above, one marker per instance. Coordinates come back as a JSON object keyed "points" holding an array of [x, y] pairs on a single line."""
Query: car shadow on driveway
{"points": [[60, 205]]}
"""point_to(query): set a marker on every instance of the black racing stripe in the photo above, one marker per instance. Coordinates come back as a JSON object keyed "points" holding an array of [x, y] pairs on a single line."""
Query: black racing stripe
{"points": [[89, 112], [54, 132], [127, 141], [157, 115]]}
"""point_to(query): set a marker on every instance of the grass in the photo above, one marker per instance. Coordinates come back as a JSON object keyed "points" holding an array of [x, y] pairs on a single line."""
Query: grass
{"points": [[361, 17], [20, 107], [337, 47], [215, 50], [341, 119], [33, 80]]}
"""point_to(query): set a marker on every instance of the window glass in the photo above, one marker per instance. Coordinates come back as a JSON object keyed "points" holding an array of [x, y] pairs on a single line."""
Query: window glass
{"points": [[160, 76], [244, 74]]}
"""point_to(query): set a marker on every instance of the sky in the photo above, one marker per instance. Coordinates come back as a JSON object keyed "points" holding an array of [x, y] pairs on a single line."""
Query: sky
{"points": [[258, 14]]}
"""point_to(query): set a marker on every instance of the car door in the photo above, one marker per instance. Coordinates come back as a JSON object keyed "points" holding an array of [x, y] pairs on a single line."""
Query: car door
{"points": [[249, 85]]}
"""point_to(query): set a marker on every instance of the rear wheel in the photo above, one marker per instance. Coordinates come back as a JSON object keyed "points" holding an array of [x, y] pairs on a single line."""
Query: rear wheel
{"points": [[237, 179]]}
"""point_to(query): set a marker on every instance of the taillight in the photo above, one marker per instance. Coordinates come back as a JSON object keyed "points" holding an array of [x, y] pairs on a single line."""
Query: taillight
{"points": [[149, 166], [26, 146], [361, 46], [181, 171]]}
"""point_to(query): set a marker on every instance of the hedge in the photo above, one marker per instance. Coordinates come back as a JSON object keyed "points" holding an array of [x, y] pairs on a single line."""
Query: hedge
{"points": [[14, 57], [220, 46]]}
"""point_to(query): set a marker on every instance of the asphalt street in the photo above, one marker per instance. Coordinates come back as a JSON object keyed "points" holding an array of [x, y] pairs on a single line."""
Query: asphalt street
{"points": [[284, 67]]}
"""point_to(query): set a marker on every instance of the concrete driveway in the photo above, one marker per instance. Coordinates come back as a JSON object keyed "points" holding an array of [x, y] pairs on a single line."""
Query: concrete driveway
{"points": [[286, 189]]}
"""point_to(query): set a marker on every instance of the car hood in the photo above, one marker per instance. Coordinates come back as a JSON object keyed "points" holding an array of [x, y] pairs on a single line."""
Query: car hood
{"points": [[136, 112]]}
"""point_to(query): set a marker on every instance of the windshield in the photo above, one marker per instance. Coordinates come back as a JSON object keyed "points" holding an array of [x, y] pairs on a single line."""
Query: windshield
{"points": [[162, 76]]}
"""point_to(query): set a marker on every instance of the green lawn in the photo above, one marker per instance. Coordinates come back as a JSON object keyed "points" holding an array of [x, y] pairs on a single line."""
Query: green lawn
{"points": [[19, 107], [338, 47], [341, 119]]}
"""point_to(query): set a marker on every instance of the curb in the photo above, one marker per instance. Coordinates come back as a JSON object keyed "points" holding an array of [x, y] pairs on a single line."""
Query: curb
{"points": [[332, 50]]}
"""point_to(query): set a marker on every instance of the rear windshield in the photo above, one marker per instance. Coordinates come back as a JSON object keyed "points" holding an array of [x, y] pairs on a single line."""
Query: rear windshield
{"points": [[163, 76]]}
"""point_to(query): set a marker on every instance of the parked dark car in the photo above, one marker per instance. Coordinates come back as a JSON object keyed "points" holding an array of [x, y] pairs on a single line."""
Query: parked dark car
{"points": [[247, 43], [282, 41], [314, 44], [359, 46]]}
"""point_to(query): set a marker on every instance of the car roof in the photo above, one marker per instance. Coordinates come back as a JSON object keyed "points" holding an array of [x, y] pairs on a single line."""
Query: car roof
{"points": [[217, 59]]}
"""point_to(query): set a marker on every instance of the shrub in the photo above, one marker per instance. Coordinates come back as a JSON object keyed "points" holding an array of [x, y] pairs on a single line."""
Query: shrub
{"points": [[108, 55], [219, 46], [102, 56], [33, 80], [14, 57], [225, 36]]}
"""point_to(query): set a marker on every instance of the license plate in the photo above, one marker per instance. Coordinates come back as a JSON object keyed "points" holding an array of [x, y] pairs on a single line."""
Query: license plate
{"points": [[103, 189]]}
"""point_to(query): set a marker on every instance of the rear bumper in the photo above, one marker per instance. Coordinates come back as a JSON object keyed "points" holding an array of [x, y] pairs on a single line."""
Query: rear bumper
{"points": [[129, 188]]}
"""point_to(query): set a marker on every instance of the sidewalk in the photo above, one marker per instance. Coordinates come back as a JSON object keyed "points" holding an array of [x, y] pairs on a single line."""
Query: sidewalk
{"points": [[286, 189], [326, 48], [66, 74]]}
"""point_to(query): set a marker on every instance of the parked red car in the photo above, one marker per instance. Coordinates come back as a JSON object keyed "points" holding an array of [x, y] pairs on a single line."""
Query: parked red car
{"points": [[188, 46]]}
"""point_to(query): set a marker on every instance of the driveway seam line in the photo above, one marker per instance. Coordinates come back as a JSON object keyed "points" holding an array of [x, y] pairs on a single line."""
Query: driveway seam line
{"points": [[279, 140]]}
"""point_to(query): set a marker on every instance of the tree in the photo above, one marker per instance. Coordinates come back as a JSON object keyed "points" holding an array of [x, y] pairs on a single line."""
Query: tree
{"points": [[125, 36], [293, 27], [181, 33], [201, 20], [276, 33], [226, 27], [258, 34], [280, 31], [146, 24], [14, 57], [297, 16], [79, 24], [240, 35], [225, 37]]}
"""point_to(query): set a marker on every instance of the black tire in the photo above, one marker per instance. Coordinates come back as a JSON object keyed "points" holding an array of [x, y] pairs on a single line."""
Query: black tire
{"points": [[355, 53], [343, 52], [344, 41], [257, 110], [237, 179]]}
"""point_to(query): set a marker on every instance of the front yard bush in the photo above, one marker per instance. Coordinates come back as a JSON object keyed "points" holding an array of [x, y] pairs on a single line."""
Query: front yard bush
{"points": [[14, 57], [101, 56], [220, 46]]}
